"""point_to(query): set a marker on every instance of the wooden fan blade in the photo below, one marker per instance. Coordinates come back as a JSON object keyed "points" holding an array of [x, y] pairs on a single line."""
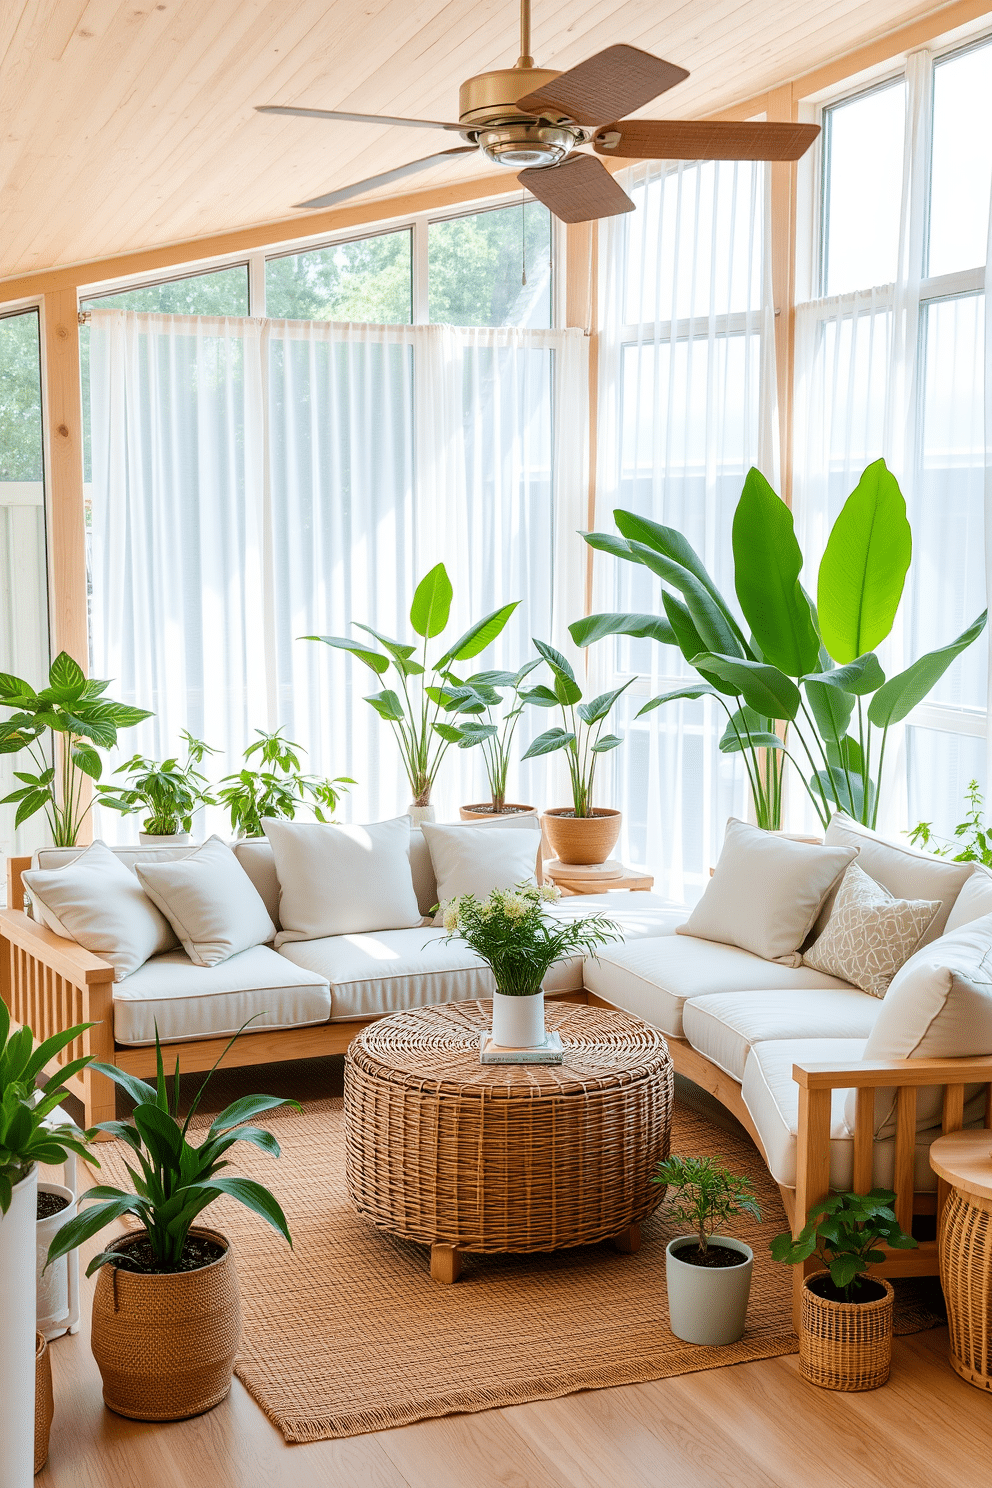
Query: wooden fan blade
{"points": [[612, 83], [578, 190], [309, 113], [689, 139], [383, 179]]}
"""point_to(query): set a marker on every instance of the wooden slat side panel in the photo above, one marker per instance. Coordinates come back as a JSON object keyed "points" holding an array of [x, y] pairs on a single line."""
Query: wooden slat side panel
{"points": [[905, 1155], [864, 1121]]}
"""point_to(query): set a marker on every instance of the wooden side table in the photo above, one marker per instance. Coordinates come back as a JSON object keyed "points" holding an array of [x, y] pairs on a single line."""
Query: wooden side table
{"points": [[964, 1160], [595, 878]]}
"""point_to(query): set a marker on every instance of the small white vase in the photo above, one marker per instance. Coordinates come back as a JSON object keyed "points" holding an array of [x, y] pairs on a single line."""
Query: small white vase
{"points": [[418, 814], [54, 1310], [518, 1022], [708, 1304], [17, 1314], [174, 839]]}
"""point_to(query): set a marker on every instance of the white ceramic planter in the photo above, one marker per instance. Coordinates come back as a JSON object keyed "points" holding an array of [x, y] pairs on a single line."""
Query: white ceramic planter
{"points": [[54, 1303], [17, 1352], [418, 814], [175, 839], [518, 1022], [708, 1304]]}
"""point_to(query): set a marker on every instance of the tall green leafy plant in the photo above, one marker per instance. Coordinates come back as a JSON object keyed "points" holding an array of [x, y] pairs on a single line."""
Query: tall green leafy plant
{"points": [[63, 728], [427, 692], [805, 685], [169, 791], [580, 734], [494, 729]]}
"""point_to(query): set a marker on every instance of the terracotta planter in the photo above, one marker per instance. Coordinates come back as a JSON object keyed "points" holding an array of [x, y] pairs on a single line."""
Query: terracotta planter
{"points": [[44, 1400], [166, 1343], [483, 811], [846, 1345], [582, 839]]}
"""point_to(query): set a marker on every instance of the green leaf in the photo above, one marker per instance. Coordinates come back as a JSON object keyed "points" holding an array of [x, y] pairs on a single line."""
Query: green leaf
{"points": [[860, 677], [372, 659], [36, 801], [246, 1108], [541, 696], [548, 742], [558, 663], [900, 695], [252, 1195], [387, 704], [88, 761], [431, 603], [689, 641], [606, 742], [66, 678], [864, 566], [846, 790], [14, 690], [691, 691], [476, 733], [600, 706], [398, 650], [767, 564], [448, 732], [670, 543], [831, 707], [718, 630], [480, 635], [762, 687], [595, 627]]}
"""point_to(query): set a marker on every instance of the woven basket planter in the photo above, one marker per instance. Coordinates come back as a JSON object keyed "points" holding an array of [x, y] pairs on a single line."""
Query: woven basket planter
{"points": [[846, 1345], [44, 1401], [582, 839], [166, 1343]]}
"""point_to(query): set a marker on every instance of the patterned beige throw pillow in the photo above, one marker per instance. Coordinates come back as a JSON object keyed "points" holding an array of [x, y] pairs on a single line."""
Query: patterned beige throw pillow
{"points": [[869, 933]]}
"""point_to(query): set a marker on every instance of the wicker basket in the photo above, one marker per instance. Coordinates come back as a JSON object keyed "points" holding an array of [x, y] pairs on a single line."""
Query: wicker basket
{"points": [[44, 1401], [845, 1345], [581, 839], [166, 1343]]}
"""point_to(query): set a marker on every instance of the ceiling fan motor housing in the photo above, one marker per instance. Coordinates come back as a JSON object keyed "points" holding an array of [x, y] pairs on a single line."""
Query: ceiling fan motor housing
{"points": [[487, 107]]}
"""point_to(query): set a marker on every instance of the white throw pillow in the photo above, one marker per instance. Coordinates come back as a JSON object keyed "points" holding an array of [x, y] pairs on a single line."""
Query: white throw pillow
{"points": [[476, 860], [869, 933], [100, 904], [210, 902], [766, 892], [974, 900], [336, 880], [938, 1006]]}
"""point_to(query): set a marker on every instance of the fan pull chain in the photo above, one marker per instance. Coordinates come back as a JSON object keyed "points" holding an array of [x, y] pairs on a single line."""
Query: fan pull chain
{"points": [[523, 240]]}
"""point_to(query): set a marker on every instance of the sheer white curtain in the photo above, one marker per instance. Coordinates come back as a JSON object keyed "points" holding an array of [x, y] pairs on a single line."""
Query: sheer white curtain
{"points": [[256, 481], [687, 406], [896, 370]]}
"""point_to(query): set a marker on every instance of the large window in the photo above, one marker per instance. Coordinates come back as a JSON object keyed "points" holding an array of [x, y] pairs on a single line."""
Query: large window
{"points": [[370, 279]]}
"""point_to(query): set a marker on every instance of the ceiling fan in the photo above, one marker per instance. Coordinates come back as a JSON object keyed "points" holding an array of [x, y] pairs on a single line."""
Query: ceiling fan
{"points": [[532, 119]]}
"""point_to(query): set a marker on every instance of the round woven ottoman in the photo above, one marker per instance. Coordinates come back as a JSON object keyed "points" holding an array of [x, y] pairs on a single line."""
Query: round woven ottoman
{"points": [[464, 1156]]}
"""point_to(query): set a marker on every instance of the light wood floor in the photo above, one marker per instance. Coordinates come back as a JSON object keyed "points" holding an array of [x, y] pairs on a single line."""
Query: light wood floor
{"points": [[751, 1426]]}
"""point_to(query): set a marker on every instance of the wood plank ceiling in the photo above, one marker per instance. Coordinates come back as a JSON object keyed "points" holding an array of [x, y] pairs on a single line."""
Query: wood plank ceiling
{"points": [[126, 124]]}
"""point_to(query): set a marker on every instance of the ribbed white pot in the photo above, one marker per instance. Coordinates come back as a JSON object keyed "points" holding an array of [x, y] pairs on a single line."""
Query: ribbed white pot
{"points": [[518, 1022], [17, 1334], [418, 814], [174, 839], [53, 1283], [708, 1304]]}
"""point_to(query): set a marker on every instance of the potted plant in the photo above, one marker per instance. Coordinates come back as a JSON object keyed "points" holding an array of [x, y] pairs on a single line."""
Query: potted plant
{"points": [[519, 944], [169, 792], [55, 1207], [973, 835], [495, 738], [845, 1342], [277, 788], [804, 672], [79, 721], [582, 832], [25, 1141], [708, 1274], [427, 689], [166, 1311]]}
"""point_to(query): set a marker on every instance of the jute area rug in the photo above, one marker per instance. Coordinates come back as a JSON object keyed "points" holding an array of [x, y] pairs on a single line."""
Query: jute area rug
{"points": [[347, 1333]]}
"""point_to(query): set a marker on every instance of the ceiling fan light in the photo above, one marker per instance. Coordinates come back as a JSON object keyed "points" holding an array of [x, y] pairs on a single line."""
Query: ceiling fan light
{"points": [[517, 145]]}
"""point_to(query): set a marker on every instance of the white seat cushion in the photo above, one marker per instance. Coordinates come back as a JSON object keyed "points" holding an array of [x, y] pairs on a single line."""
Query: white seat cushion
{"points": [[772, 1097], [726, 1025], [654, 978], [198, 1002]]}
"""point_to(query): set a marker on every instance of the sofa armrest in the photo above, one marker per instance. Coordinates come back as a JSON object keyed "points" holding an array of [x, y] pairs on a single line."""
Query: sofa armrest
{"points": [[877, 1074], [81, 966]]}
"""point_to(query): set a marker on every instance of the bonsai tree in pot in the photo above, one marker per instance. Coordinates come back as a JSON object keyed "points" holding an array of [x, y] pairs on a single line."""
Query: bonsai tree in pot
{"points": [[708, 1274], [511, 932], [168, 791], [845, 1342], [582, 832], [426, 690], [493, 733], [278, 787], [170, 1284]]}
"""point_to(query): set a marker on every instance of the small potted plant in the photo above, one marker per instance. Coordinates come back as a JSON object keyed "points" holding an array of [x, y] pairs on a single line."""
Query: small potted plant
{"points": [[519, 943], [25, 1141], [277, 788], [169, 792], [708, 1274], [582, 832], [494, 737], [166, 1310], [845, 1342]]}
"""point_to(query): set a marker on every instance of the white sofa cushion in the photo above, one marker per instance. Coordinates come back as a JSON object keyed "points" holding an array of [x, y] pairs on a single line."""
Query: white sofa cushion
{"points": [[869, 933], [342, 880], [903, 870], [198, 1002], [653, 979], [766, 892], [210, 902], [772, 1098], [726, 1025], [974, 900], [470, 860], [99, 903]]}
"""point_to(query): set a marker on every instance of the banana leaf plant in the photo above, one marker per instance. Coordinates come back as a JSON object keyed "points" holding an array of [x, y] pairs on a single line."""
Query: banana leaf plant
{"points": [[494, 729], [426, 691], [806, 684], [580, 733], [63, 728]]}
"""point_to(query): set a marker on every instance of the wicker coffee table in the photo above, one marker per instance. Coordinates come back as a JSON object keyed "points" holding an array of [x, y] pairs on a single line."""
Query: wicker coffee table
{"points": [[463, 1156]]}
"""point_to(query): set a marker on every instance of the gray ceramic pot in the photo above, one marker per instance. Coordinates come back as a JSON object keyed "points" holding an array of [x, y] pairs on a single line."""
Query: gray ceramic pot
{"points": [[708, 1304]]}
